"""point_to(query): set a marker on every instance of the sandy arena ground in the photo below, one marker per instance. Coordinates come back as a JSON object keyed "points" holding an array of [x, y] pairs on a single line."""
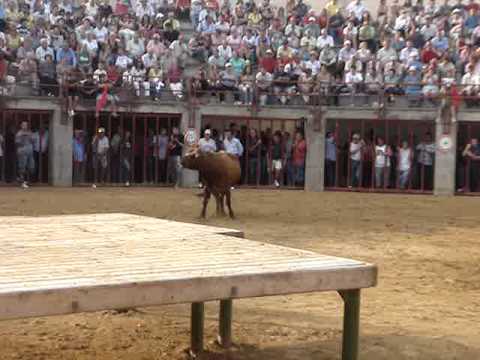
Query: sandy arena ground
{"points": [[426, 306]]}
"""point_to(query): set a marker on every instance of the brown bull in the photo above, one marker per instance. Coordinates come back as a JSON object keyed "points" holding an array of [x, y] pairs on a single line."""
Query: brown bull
{"points": [[218, 172]]}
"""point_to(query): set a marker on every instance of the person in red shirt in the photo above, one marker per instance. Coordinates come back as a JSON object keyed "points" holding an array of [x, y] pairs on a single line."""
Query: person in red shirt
{"points": [[428, 53], [268, 62], [298, 158]]}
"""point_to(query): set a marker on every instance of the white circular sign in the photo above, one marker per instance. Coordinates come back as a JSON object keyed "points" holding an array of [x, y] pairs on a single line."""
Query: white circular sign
{"points": [[191, 137], [445, 143]]}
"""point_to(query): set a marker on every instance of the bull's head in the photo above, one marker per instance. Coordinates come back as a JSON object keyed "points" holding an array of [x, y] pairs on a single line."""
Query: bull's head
{"points": [[188, 160]]}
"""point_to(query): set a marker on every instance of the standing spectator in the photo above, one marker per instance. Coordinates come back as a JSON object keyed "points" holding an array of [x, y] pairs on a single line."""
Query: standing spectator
{"points": [[426, 153], [160, 153], [355, 153], [232, 145], [40, 150], [254, 143], [100, 145], [25, 160], [330, 159], [472, 154], [174, 167], [276, 159], [207, 144], [405, 158], [383, 152], [126, 152], [299, 153], [79, 157]]}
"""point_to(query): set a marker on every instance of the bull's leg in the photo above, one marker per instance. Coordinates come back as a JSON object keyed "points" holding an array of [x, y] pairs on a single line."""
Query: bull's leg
{"points": [[219, 199], [228, 195], [206, 197], [222, 204]]}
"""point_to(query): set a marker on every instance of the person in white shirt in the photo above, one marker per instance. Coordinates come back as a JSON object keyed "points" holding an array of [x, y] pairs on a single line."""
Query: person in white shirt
{"points": [[43, 50], [408, 51], [357, 8], [232, 145], [386, 54], [353, 80], [207, 144], [405, 157], [225, 51], [101, 32], [382, 163], [470, 87], [123, 61], [324, 39], [356, 146], [346, 54], [264, 82], [100, 145]]}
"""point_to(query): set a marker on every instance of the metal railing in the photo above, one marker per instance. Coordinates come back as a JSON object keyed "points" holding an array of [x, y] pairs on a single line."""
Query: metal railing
{"points": [[258, 94]]}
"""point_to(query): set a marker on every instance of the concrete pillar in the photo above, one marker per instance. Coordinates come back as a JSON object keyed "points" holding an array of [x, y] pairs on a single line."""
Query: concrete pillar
{"points": [[445, 160], [314, 167], [190, 177], [60, 149]]}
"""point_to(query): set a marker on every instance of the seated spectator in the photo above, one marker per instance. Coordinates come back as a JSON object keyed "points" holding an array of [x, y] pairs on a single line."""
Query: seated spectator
{"points": [[228, 82], [155, 81], [430, 84], [285, 83], [440, 42], [392, 84], [27, 70], [328, 60], [48, 76], [264, 82], [88, 87], [354, 80], [324, 39], [470, 86], [407, 52], [43, 50], [412, 83], [428, 53], [174, 79], [306, 84], [373, 79], [268, 62], [367, 34], [246, 85]]}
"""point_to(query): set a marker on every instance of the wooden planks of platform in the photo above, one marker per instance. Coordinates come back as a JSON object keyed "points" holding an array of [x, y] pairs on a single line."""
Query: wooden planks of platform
{"points": [[76, 263]]}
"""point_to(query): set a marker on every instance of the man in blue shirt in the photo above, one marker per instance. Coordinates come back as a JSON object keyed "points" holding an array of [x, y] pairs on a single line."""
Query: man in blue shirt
{"points": [[66, 56], [330, 159]]}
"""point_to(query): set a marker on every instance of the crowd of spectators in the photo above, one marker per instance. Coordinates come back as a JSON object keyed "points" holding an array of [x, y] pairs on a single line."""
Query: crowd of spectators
{"points": [[267, 157], [96, 48]]}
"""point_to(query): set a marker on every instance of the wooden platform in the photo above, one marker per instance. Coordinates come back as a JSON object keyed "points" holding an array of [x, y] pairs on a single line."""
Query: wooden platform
{"points": [[76, 263]]}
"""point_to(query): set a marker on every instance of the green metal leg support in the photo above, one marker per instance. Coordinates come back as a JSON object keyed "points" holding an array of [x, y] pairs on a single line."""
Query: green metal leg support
{"points": [[351, 324], [225, 323], [197, 322]]}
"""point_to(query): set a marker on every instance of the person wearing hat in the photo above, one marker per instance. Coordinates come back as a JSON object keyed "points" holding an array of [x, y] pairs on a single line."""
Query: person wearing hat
{"points": [[412, 84], [100, 147], [268, 62], [206, 144]]}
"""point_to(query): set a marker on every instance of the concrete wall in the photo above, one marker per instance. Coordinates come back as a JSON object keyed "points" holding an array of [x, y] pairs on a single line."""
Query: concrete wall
{"points": [[60, 149]]}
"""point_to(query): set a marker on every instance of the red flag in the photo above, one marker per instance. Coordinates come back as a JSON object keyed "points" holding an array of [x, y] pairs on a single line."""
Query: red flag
{"points": [[103, 99]]}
